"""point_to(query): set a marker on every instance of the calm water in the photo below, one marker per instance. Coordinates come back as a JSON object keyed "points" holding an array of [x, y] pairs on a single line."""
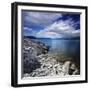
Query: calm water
{"points": [[69, 47]]}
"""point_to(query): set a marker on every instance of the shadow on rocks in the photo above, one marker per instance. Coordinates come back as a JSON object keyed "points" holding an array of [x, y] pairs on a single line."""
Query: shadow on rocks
{"points": [[30, 65]]}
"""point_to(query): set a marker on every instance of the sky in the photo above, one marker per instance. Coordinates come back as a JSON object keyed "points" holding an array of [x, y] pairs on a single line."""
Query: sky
{"points": [[51, 24]]}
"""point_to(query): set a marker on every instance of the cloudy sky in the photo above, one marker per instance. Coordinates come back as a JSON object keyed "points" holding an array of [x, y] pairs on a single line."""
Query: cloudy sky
{"points": [[50, 24]]}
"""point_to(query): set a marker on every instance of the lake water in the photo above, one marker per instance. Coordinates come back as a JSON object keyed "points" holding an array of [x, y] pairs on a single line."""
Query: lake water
{"points": [[69, 47]]}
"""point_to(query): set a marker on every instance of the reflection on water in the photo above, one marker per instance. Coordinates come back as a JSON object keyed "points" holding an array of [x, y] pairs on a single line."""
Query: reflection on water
{"points": [[70, 46]]}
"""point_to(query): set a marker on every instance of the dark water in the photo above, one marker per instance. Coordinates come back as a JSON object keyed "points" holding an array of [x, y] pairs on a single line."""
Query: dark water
{"points": [[68, 47]]}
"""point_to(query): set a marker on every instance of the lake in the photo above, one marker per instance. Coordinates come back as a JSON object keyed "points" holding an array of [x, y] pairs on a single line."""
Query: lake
{"points": [[68, 47]]}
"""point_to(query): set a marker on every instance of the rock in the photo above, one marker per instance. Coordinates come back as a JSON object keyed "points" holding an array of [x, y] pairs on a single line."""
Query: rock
{"points": [[49, 67], [73, 69], [65, 68], [31, 50], [35, 47], [30, 65]]}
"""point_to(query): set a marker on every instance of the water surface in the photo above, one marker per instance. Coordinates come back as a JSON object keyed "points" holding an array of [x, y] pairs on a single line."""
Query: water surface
{"points": [[68, 47]]}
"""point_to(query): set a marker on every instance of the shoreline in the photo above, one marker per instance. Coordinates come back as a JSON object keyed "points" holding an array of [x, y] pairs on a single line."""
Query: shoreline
{"points": [[44, 64]]}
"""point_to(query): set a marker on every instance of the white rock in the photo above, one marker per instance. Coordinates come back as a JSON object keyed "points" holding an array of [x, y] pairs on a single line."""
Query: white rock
{"points": [[65, 68]]}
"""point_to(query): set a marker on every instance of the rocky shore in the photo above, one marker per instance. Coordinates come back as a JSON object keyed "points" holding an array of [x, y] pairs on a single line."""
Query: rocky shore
{"points": [[37, 62]]}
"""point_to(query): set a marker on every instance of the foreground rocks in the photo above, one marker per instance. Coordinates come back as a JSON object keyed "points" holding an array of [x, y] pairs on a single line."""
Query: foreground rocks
{"points": [[38, 62], [51, 67]]}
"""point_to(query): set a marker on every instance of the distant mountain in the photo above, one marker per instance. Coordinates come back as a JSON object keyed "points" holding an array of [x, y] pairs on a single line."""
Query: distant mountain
{"points": [[44, 38], [66, 38], [69, 38], [32, 37]]}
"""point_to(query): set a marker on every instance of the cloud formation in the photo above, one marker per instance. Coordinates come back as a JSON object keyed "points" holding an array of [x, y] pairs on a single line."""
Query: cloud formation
{"points": [[60, 29], [51, 25], [41, 18], [29, 31]]}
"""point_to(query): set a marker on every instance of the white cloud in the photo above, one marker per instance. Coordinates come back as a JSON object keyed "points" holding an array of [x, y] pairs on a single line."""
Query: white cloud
{"points": [[29, 31], [60, 29], [41, 18]]}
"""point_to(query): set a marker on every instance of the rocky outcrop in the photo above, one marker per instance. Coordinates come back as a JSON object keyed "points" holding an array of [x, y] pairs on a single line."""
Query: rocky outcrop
{"points": [[38, 63], [34, 47], [31, 49]]}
